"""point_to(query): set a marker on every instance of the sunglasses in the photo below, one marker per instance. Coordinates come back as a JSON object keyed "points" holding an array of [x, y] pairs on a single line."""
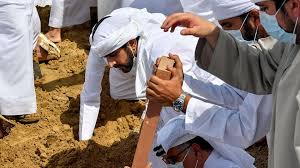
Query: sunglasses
{"points": [[173, 159]]}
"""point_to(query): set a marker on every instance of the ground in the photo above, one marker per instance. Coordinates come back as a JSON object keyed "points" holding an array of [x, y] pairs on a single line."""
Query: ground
{"points": [[53, 141]]}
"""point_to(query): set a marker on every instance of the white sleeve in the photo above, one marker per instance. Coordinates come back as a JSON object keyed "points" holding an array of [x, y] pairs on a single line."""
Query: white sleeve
{"points": [[90, 96], [203, 88], [234, 127]]}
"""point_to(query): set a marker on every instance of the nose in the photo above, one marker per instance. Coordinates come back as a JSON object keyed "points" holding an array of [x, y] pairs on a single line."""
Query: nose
{"points": [[111, 63]]}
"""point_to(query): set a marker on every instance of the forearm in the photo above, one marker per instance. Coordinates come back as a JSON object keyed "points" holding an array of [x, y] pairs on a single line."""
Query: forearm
{"points": [[212, 39], [236, 127], [208, 90]]}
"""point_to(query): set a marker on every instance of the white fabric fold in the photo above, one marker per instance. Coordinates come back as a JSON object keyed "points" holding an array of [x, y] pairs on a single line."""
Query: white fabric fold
{"points": [[225, 9], [174, 134]]}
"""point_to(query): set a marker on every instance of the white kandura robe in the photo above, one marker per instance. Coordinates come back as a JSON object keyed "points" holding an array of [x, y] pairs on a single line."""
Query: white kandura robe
{"points": [[17, 94], [131, 85], [70, 12], [36, 26], [229, 115]]}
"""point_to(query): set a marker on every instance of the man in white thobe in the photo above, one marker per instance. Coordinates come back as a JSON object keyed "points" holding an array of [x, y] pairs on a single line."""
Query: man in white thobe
{"points": [[127, 83], [181, 148], [221, 117], [16, 73]]}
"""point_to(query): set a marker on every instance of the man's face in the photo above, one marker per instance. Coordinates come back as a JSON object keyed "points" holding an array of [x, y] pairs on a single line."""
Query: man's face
{"points": [[122, 59], [286, 17], [248, 30], [183, 153]]}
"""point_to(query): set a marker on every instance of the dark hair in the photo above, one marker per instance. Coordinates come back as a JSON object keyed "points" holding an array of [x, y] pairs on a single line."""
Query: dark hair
{"points": [[279, 3], [202, 143]]}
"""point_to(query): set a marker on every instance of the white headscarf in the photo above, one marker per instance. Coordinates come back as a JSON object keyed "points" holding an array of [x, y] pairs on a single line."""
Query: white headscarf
{"points": [[114, 32], [174, 134], [225, 9]]}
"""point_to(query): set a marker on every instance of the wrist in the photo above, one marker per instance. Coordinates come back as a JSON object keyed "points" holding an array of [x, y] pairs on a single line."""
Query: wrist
{"points": [[212, 38], [186, 103], [178, 104]]}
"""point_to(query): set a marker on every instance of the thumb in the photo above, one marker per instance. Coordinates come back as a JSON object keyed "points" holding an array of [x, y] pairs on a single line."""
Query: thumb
{"points": [[190, 31]]}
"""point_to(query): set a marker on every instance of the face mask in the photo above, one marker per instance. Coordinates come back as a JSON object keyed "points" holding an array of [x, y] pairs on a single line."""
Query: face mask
{"points": [[179, 164], [270, 24], [295, 27], [237, 33]]}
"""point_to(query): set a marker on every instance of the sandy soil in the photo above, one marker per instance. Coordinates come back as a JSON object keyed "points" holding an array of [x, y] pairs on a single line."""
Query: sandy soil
{"points": [[53, 141]]}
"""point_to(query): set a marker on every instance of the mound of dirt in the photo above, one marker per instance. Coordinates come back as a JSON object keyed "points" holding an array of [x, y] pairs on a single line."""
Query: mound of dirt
{"points": [[53, 141]]}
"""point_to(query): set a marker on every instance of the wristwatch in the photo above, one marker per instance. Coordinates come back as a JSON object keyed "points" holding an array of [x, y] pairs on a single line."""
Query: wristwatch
{"points": [[179, 103]]}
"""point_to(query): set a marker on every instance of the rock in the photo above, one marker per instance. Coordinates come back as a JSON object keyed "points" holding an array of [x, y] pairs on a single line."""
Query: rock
{"points": [[43, 155], [67, 127], [56, 128]]}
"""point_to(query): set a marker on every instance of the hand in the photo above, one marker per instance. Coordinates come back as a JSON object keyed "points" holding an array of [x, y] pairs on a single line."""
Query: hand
{"points": [[194, 24], [166, 91]]}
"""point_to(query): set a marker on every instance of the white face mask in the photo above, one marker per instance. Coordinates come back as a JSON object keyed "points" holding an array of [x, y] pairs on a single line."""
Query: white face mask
{"points": [[180, 164], [270, 24]]}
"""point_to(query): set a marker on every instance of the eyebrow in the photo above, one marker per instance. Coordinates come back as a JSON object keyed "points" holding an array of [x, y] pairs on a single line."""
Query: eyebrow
{"points": [[112, 54]]}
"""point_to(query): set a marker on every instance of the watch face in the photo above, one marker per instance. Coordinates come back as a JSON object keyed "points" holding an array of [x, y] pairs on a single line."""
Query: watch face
{"points": [[177, 106]]}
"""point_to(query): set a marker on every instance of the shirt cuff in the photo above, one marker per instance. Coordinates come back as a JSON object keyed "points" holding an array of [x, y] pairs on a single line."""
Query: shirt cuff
{"points": [[88, 119]]}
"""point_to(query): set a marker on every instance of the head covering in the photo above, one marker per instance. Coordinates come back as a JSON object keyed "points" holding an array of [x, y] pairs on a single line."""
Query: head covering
{"points": [[174, 134], [225, 9], [124, 25], [169, 138]]}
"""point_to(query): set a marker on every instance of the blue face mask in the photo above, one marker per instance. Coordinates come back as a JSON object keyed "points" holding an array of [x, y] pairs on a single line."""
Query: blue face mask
{"points": [[270, 24], [238, 35]]}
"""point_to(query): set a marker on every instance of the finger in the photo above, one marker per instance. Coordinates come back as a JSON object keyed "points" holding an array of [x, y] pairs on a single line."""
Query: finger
{"points": [[150, 94], [178, 63], [156, 80], [153, 86], [167, 20], [173, 20], [155, 68], [157, 61], [173, 71], [190, 31], [174, 27]]}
